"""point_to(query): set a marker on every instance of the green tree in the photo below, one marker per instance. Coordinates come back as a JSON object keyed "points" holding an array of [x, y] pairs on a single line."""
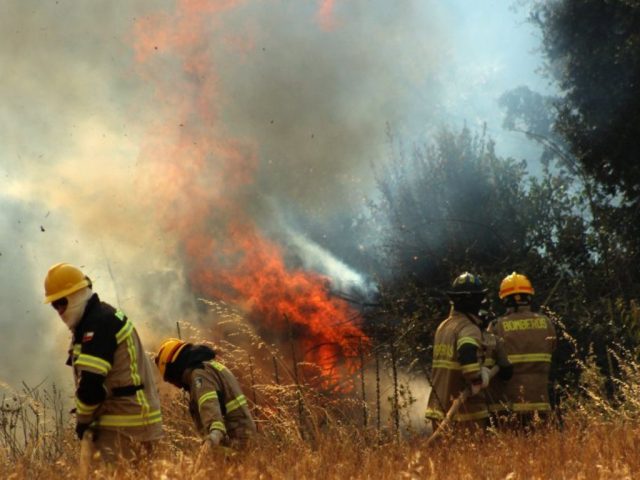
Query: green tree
{"points": [[455, 205], [593, 52], [451, 206]]}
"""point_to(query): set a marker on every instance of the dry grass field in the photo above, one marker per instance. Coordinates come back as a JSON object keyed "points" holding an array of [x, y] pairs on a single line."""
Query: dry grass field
{"points": [[595, 442], [599, 450], [307, 434]]}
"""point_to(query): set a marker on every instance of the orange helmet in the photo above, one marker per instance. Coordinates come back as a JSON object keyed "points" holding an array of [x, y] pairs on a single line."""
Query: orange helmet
{"points": [[515, 283], [168, 353], [63, 279]]}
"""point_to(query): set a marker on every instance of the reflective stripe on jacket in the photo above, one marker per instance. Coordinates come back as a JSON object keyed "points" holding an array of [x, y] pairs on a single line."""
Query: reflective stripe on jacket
{"points": [[529, 340], [217, 402], [106, 343], [449, 377]]}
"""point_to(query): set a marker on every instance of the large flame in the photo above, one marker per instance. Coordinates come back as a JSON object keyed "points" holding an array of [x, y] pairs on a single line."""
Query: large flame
{"points": [[199, 174]]}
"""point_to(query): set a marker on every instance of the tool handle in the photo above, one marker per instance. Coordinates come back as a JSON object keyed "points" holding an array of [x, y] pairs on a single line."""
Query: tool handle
{"points": [[86, 454], [455, 406]]}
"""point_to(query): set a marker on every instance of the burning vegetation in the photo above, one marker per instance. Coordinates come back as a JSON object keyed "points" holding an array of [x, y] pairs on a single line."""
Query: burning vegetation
{"points": [[201, 181]]}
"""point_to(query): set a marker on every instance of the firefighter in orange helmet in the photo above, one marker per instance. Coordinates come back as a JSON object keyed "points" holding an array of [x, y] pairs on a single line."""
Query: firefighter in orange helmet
{"points": [[529, 341], [116, 395], [217, 405], [458, 357]]}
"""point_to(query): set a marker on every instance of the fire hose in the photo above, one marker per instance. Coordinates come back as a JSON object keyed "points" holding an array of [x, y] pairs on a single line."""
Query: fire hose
{"points": [[455, 406]]}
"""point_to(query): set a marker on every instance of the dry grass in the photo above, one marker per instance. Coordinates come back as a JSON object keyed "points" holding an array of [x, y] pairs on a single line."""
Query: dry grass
{"points": [[305, 434], [601, 451]]}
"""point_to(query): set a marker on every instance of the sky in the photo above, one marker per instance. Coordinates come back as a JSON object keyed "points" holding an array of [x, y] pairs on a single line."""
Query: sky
{"points": [[121, 123]]}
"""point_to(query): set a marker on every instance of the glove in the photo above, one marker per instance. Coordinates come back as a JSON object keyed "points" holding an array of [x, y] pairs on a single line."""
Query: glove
{"points": [[485, 374], [481, 382], [486, 316], [215, 437], [81, 428]]}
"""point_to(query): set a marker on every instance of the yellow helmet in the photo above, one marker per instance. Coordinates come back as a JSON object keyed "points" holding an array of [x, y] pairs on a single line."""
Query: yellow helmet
{"points": [[168, 352], [63, 279], [515, 283]]}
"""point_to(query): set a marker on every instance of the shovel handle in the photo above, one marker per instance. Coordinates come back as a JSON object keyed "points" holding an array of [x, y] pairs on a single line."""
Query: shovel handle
{"points": [[455, 406], [86, 454]]}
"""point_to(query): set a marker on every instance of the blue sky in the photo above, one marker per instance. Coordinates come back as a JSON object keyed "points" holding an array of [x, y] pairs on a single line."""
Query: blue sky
{"points": [[493, 49]]}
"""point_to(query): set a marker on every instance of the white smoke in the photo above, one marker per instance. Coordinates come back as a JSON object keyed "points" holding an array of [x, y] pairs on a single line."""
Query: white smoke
{"points": [[316, 258]]}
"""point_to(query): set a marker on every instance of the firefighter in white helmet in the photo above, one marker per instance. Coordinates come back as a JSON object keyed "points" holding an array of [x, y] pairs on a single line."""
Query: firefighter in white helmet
{"points": [[116, 395], [217, 405], [529, 341]]}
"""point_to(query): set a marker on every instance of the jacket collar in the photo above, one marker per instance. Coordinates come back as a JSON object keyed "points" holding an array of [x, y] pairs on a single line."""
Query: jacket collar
{"points": [[471, 317], [519, 309], [92, 304]]}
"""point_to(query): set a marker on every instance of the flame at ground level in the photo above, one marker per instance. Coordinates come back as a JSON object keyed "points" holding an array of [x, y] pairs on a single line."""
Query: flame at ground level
{"points": [[286, 302]]}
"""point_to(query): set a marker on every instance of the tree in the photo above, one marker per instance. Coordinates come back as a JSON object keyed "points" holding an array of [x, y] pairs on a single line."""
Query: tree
{"points": [[593, 52], [455, 205]]}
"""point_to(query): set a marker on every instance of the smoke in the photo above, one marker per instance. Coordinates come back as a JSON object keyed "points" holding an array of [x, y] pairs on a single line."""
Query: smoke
{"points": [[210, 162], [316, 103], [72, 112], [325, 14], [412, 397], [300, 84], [315, 257], [26, 350], [290, 113]]}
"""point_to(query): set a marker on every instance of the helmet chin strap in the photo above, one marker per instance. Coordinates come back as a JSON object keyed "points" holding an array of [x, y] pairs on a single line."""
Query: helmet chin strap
{"points": [[77, 303]]}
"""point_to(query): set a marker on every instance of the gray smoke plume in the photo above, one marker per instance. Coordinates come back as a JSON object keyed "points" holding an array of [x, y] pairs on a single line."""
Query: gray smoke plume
{"points": [[27, 333], [316, 103], [312, 98]]}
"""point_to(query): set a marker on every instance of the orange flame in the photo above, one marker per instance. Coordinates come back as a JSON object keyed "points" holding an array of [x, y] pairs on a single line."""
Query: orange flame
{"points": [[198, 175], [325, 14]]}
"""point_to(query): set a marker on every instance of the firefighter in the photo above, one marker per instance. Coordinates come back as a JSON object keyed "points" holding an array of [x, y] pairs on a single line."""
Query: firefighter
{"points": [[217, 405], [458, 357], [116, 395], [529, 339]]}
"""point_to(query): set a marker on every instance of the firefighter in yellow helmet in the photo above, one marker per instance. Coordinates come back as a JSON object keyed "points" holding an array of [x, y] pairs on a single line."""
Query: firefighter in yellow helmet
{"points": [[458, 357], [116, 395], [217, 405], [529, 341]]}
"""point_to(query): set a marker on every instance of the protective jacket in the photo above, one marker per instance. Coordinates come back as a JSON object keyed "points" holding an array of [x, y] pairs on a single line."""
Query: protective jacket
{"points": [[116, 389], [217, 402], [529, 341], [458, 354]]}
